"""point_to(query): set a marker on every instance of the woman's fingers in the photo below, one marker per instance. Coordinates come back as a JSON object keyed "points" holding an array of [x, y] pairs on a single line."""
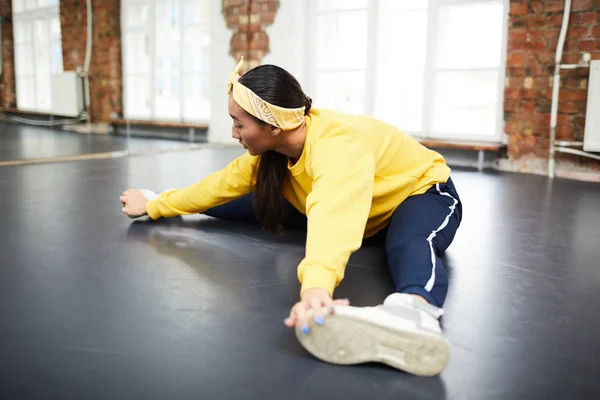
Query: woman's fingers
{"points": [[290, 321], [317, 308], [302, 318]]}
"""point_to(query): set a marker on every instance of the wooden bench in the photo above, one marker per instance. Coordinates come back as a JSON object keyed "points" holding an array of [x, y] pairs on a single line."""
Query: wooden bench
{"points": [[480, 147], [164, 124]]}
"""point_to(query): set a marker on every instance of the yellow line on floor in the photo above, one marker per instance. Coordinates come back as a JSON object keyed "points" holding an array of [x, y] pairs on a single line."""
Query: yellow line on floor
{"points": [[100, 156]]}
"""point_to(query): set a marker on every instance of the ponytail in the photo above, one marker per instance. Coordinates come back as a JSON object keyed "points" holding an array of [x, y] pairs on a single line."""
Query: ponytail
{"points": [[279, 87]]}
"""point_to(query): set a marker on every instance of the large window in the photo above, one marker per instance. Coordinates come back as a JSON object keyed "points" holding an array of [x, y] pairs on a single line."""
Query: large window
{"points": [[434, 68], [38, 52], [166, 59]]}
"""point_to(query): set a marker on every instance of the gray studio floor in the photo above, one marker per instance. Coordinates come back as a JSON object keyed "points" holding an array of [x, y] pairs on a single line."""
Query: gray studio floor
{"points": [[25, 143], [95, 306]]}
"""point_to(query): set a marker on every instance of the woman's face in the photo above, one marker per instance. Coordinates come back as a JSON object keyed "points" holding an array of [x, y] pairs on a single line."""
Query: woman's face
{"points": [[256, 137]]}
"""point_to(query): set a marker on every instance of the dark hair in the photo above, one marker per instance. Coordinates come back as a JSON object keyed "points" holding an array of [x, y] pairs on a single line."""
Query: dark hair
{"points": [[276, 86]]}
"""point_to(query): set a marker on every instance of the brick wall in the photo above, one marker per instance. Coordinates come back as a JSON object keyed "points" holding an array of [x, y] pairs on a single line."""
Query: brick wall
{"points": [[248, 20], [105, 73], [534, 28], [7, 80]]}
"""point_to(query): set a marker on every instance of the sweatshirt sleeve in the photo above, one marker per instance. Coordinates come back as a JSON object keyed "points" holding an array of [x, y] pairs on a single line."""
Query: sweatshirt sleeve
{"points": [[337, 208], [234, 181]]}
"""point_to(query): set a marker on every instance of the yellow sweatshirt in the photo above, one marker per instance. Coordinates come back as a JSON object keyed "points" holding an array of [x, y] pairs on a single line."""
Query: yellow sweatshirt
{"points": [[353, 173]]}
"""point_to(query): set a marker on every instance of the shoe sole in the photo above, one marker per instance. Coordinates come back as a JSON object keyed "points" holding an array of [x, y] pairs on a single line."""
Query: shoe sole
{"points": [[353, 335]]}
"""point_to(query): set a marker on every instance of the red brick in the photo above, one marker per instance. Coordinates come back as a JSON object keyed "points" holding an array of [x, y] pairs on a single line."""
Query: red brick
{"points": [[573, 95], [512, 126], [552, 6], [511, 105], [515, 59], [528, 106], [515, 71], [551, 33], [572, 58], [232, 3], [589, 45], [571, 45], [568, 107], [511, 93], [582, 5], [589, 18], [596, 32], [514, 145], [527, 144], [541, 147], [537, 21], [105, 68], [556, 20], [267, 18], [8, 95], [578, 32], [258, 15], [518, 8]]}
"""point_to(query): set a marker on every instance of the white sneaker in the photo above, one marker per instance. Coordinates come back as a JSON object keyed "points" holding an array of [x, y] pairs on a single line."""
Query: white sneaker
{"points": [[403, 333]]}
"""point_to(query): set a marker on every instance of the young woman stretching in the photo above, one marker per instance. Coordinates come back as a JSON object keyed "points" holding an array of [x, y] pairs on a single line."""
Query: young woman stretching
{"points": [[347, 177]]}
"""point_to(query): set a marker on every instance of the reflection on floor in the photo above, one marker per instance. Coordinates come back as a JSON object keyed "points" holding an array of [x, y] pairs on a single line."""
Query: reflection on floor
{"points": [[32, 144]]}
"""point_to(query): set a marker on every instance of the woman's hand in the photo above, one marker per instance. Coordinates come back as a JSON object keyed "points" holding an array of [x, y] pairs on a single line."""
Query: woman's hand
{"points": [[315, 300], [133, 203]]}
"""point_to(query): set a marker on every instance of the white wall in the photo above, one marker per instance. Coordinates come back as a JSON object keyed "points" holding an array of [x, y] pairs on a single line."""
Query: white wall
{"points": [[221, 65], [288, 39]]}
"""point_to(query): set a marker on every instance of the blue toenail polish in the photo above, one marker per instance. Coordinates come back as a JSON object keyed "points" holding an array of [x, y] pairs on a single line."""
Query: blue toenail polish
{"points": [[305, 329], [319, 320]]}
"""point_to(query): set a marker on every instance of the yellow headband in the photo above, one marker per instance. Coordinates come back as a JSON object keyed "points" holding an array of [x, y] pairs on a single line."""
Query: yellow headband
{"points": [[284, 118]]}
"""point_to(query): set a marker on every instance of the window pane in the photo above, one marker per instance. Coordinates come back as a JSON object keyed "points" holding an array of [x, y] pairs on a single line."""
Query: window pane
{"points": [[31, 4], [465, 102], [196, 49], [343, 91], [24, 59], [43, 96], [18, 5], [25, 93], [56, 54], [402, 37], [167, 14], [22, 31], [167, 37], [137, 15], [41, 47], [328, 5], [403, 5], [470, 35], [137, 97], [196, 12], [342, 40], [399, 100], [55, 28], [166, 101], [137, 58], [197, 102], [40, 32]]}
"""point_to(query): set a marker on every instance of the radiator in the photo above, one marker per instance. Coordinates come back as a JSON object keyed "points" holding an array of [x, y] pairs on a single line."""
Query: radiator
{"points": [[67, 94], [591, 137]]}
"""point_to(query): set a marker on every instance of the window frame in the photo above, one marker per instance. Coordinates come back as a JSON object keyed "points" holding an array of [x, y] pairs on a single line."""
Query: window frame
{"points": [[149, 30], [29, 15], [430, 71]]}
